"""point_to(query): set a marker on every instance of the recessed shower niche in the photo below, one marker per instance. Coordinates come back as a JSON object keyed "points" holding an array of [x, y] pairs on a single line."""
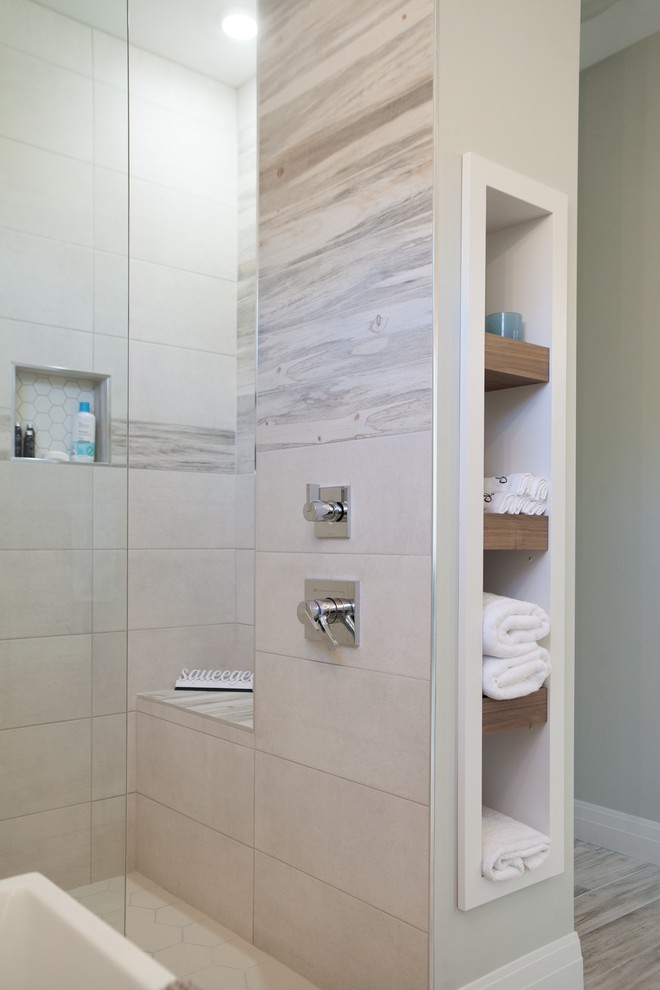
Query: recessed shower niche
{"points": [[49, 398]]}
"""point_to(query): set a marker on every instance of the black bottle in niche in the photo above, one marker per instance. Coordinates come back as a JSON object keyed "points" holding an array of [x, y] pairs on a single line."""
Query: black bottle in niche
{"points": [[29, 439], [18, 441]]}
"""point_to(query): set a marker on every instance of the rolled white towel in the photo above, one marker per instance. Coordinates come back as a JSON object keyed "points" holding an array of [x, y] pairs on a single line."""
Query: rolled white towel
{"points": [[539, 489], [511, 627], [532, 507], [509, 847], [512, 484], [515, 677], [501, 503]]}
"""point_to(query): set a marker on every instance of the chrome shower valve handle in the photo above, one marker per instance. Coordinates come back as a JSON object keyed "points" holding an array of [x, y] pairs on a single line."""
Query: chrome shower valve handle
{"points": [[333, 618]]}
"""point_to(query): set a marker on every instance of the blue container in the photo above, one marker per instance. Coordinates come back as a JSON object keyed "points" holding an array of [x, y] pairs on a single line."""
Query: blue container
{"points": [[505, 325]]}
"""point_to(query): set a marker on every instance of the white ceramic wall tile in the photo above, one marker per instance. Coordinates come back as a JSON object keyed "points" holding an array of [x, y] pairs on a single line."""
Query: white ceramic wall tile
{"points": [[245, 586], [45, 507], [171, 306], [388, 476], [108, 673], [182, 231], [46, 281], [44, 105], [180, 588], [367, 727], [170, 509], [131, 832], [179, 386], [394, 609], [43, 767], [181, 89], [110, 127], [245, 511], [45, 592], [367, 843], [27, 343], [157, 656], [110, 294], [108, 839], [182, 152], [38, 31], [244, 650], [111, 358], [55, 843], [44, 680], [131, 752], [247, 103], [109, 602], [111, 211], [108, 756], [110, 500], [179, 854], [46, 194], [331, 938], [110, 60], [214, 778]]}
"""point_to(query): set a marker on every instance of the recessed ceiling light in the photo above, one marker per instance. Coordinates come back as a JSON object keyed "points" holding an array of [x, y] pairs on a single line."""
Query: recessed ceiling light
{"points": [[239, 24]]}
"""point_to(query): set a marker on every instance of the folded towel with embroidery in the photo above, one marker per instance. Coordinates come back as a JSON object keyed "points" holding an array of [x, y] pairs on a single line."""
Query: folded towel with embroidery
{"points": [[511, 627], [509, 847], [514, 677], [510, 484]]}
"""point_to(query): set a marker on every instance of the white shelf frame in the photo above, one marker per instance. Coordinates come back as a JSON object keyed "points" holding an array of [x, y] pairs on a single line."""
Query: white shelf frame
{"points": [[498, 199]]}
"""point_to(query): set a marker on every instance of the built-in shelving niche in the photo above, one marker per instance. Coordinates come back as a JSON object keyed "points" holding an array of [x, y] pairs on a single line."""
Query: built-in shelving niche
{"points": [[48, 397], [513, 418]]}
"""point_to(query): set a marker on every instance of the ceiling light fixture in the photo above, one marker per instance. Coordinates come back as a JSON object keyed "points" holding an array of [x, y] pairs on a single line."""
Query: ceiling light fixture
{"points": [[239, 24]]}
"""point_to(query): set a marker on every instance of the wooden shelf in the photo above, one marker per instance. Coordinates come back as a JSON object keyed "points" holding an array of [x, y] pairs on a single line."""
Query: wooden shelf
{"points": [[516, 713], [512, 363], [507, 532]]}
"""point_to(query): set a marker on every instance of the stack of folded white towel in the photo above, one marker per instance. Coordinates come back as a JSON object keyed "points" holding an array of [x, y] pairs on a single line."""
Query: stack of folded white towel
{"points": [[513, 662], [516, 494], [509, 847]]}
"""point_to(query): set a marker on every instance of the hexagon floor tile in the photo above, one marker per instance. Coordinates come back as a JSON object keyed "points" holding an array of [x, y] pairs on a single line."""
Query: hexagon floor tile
{"points": [[204, 954]]}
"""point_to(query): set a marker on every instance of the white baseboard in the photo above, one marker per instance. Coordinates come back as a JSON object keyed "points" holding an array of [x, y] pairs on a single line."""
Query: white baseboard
{"points": [[556, 966], [627, 834]]}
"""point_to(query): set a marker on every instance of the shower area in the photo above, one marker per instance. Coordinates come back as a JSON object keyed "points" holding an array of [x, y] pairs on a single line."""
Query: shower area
{"points": [[119, 573]]}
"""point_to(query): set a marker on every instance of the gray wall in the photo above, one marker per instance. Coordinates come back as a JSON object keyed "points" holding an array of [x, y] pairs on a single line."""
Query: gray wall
{"points": [[618, 547], [518, 109]]}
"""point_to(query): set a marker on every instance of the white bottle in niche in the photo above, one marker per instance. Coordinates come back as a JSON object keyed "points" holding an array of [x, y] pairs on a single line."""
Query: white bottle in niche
{"points": [[84, 435]]}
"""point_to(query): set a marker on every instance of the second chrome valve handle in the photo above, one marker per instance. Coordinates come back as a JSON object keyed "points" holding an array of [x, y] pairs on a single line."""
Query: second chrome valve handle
{"points": [[322, 614], [317, 509], [329, 508]]}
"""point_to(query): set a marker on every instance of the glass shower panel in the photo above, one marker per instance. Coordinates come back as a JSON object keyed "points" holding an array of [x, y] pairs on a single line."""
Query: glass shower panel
{"points": [[63, 339]]}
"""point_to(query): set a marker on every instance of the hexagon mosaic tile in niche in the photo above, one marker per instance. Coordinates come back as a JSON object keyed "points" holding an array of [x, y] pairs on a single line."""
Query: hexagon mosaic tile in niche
{"points": [[50, 402]]}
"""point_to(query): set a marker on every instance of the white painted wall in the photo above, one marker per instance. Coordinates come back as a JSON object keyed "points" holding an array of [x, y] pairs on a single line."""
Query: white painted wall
{"points": [[506, 89]]}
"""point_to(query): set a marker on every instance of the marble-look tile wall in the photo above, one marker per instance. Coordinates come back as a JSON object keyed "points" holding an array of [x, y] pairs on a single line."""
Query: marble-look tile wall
{"points": [[344, 396], [63, 255]]}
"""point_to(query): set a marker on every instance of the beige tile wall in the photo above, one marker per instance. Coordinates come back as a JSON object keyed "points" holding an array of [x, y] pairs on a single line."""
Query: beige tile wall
{"points": [[194, 821], [344, 396]]}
